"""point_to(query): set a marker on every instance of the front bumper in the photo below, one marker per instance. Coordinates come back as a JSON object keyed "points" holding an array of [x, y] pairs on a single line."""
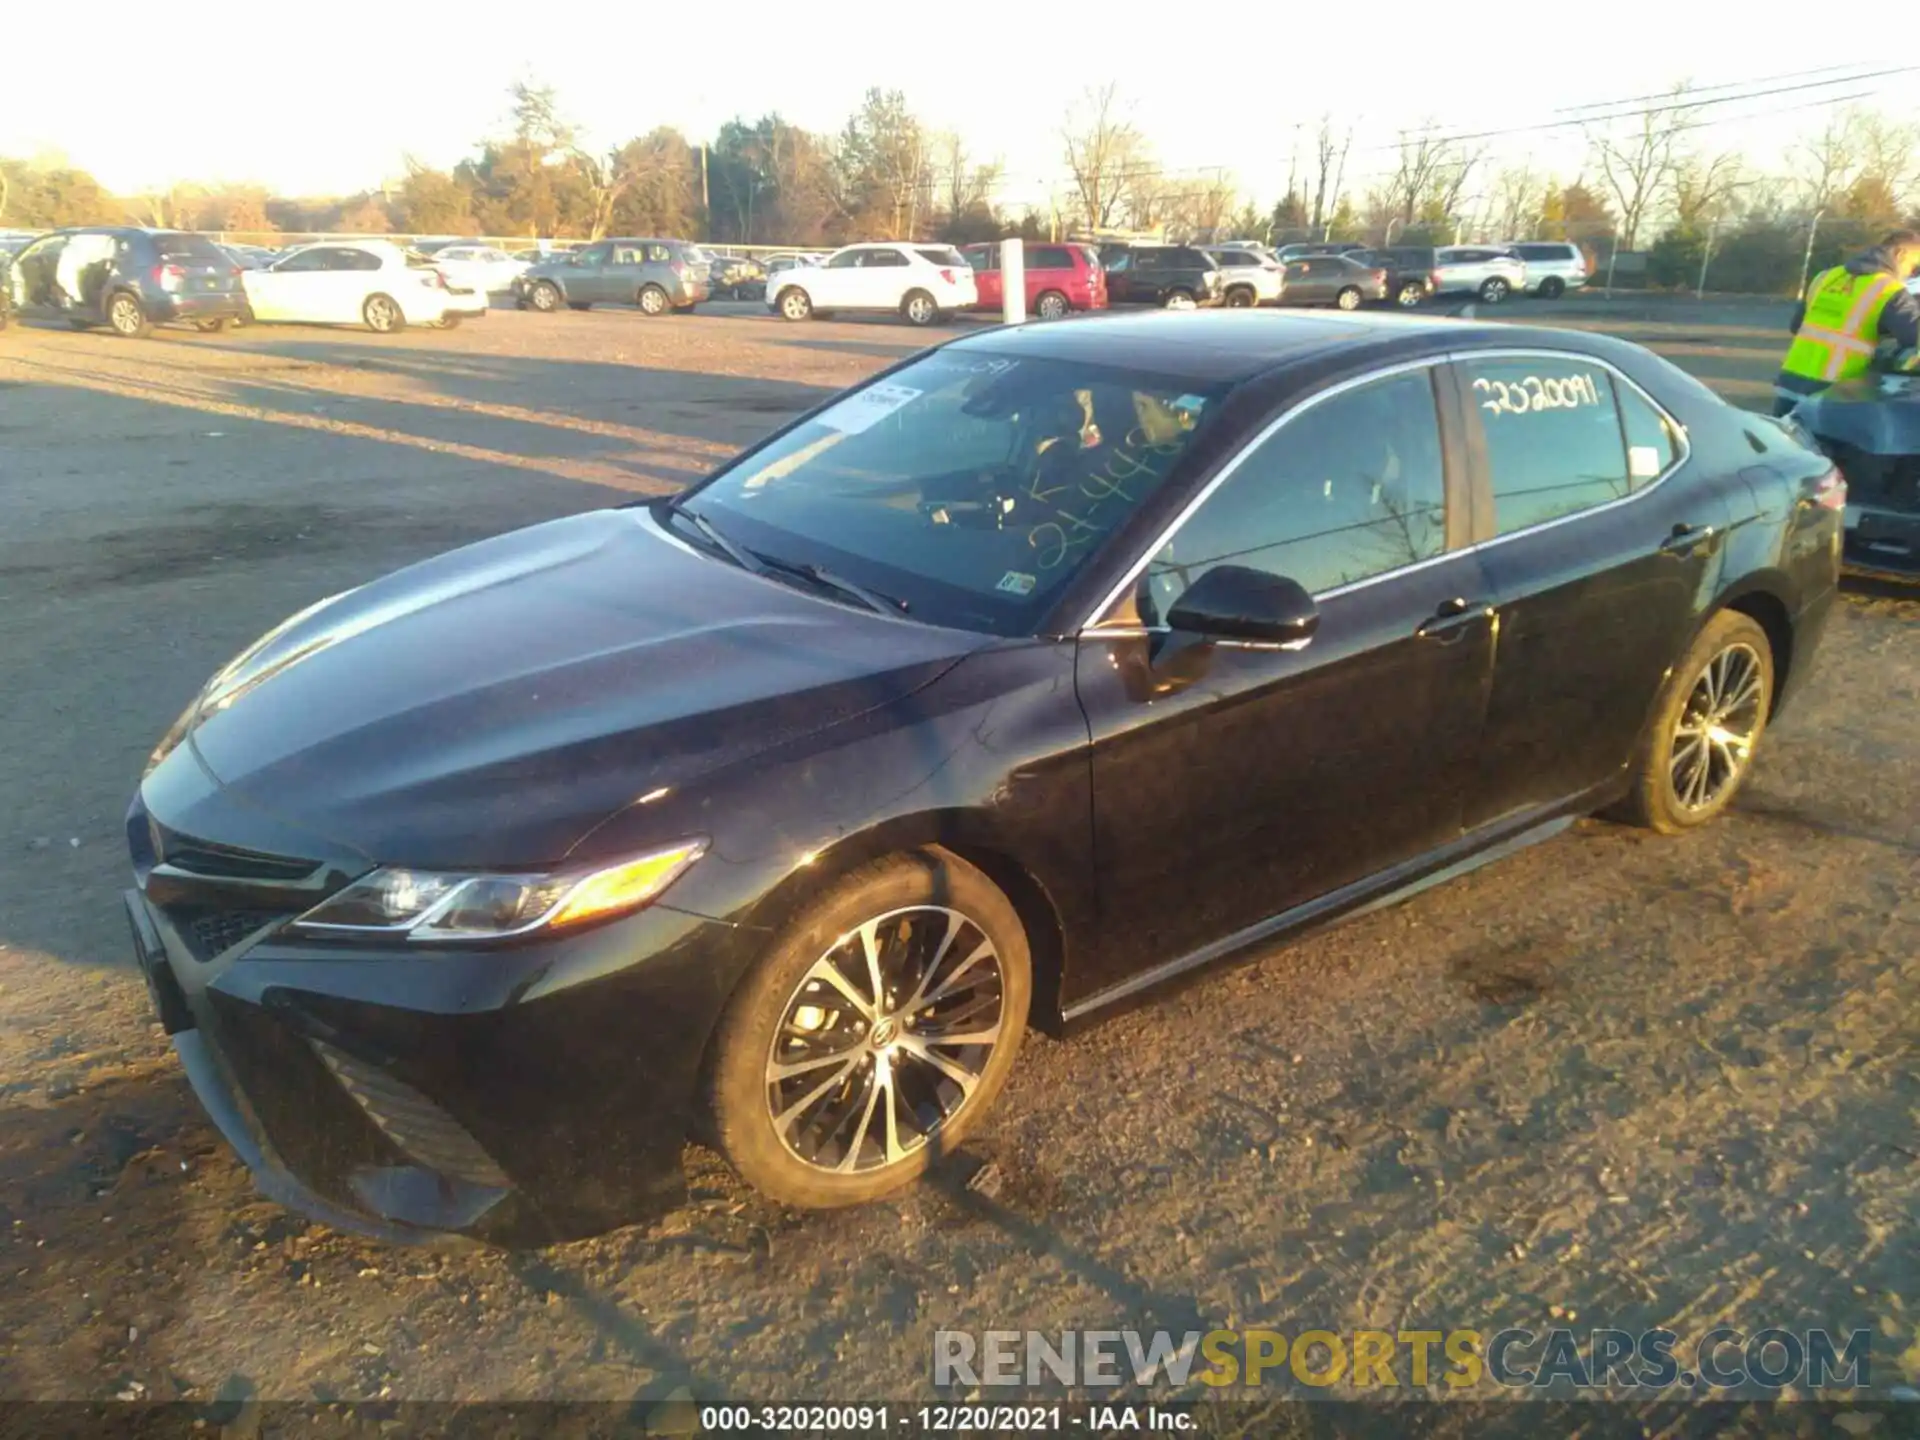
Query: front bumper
{"points": [[515, 1095]]}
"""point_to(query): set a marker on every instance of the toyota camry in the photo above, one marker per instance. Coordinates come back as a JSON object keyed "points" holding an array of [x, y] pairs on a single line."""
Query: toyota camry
{"points": [[1045, 667]]}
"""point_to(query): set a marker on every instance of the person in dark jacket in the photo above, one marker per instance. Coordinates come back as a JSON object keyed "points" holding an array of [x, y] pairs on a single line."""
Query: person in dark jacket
{"points": [[1851, 313]]}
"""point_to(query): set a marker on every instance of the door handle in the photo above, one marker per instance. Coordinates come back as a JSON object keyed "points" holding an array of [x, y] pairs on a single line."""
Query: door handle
{"points": [[1687, 539], [1452, 618]]}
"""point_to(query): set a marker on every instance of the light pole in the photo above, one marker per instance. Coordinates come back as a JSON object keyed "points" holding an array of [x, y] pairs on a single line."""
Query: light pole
{"points": [[1700, 291], [1806, 260], [1395, 220]]}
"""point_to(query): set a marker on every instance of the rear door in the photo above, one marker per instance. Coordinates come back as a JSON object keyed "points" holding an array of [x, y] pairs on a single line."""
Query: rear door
{"points": [[1049, 267], [883, 277], [985, 261], [1599, 544]]}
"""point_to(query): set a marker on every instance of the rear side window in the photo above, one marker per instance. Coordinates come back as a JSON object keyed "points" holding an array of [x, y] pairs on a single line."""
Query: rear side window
{"points": [[881, 258], [1545, 252], [1352, 488], [1557, 440], [1050, 257], [353, 260]]}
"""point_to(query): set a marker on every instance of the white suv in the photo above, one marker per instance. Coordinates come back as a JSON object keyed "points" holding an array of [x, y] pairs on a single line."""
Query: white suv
{"points": [[925, 283], [1553, 267]]}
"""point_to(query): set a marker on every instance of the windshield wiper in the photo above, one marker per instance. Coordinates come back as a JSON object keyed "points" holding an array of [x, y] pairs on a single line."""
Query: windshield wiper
{"points": [[827, 579], [740, 556]]}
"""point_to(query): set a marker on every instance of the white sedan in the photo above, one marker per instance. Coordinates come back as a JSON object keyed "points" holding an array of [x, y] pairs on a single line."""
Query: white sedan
{"points": [[925, 283], [353, 282], [479, 267]]}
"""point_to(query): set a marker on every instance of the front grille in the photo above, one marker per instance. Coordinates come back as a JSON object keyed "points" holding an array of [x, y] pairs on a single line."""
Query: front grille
{"points": [[211, 932], [226, 862], [413, 1122]]}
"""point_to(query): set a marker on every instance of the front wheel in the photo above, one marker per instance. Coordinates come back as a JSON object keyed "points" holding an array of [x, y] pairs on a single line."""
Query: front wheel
{"points": [[449, 322], [1495, 290], [383, 315], [652, 300], [795, 303], [919, 308], [1180, 300], [1349, 298], [546, 296], [873, 1035], [1709, 719], [127, 316]]}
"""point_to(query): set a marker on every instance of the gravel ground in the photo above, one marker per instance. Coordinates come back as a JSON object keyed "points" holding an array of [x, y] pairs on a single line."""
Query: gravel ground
{"points": [[1639, 1081]]}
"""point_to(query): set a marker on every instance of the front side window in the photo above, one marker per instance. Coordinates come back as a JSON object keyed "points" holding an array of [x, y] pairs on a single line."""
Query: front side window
{"points": [[592, 255], [1351, 488], [1557, 442], [303, 260], [846, 260], [973, 485]]}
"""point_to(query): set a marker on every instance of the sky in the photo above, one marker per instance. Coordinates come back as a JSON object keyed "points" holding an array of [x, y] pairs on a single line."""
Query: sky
{"points": [[332, 106]]}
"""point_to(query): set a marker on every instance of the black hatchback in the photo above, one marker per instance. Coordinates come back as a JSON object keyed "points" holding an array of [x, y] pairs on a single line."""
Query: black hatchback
{"points": [[777, 812], [129, 280]]}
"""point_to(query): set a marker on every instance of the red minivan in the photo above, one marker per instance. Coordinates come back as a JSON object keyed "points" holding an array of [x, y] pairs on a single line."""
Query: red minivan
{"points": [[1060, 278]]}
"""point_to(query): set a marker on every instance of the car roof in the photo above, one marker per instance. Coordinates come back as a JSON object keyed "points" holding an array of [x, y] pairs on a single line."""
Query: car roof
{"points": [[1214, 346]]}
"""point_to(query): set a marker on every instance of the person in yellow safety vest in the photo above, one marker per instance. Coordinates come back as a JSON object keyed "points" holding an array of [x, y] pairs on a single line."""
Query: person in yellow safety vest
{"points": [[1849, 313]]}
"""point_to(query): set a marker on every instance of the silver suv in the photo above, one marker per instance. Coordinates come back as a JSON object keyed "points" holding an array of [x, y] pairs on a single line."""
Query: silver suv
{"points": [[1553, 267], [1488, 271], [1248, 276]]}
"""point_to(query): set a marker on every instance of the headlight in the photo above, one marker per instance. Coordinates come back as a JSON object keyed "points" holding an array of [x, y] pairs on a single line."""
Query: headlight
{"points": [[428, 906]]}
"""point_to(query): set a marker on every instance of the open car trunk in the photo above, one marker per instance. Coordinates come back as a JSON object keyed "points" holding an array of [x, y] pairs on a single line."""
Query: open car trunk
{"points": [[1871, 429]]}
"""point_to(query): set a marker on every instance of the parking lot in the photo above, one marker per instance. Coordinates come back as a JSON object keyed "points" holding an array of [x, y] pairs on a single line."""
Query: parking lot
{"points": [[1633, 1080]]}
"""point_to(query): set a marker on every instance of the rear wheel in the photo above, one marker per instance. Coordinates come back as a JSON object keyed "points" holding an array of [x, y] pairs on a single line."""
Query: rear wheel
{"points": [[1494, 290], [1552, 288], [1349, 298], [1051, 305], [212, 327], [1699, 747], [652, 300], [1179, 300], [1240, 297], [127, 316], [795, 303], [383, 315], [873, 1034], [919, 308], [1410, 294]]}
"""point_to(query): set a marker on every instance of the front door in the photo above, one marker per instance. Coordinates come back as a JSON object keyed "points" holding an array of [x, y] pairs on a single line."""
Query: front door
{"points": [[1232, 784], [1597, 568], [586, 277], [294, 289]]}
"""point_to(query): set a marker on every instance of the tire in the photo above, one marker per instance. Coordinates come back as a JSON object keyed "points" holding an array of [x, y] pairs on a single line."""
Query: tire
{"points": [[919, 308], [1552, 288], [127, 317], [213, 327], [652, 300], [1051, 305], [81, 322], [906, 905], [383, 315], [1179, 300], [1409, 295], [579, 304], [794, 303], [545, 296], [450, 322], [1349, 298], [683, 309], [1494, 290], [1732, 656], [1240, 297]]}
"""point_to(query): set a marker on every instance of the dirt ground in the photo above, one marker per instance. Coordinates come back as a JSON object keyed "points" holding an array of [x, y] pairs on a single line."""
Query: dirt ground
{"points": [[1631, 1080]]}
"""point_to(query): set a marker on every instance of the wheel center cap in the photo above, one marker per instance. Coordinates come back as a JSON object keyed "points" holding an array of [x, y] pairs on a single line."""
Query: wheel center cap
{"points": [[884, 1034]]}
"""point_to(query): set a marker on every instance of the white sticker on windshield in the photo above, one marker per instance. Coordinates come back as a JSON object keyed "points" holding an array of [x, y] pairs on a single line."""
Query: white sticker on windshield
{"points": [[866, 409], [1643, 461], [1015, 582]]}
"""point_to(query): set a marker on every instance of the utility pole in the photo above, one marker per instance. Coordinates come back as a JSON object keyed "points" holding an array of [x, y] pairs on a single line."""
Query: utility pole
{"points": [[703, 190]]}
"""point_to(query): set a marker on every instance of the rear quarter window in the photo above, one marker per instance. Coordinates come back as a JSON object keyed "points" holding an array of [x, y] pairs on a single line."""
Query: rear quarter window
{"points": [[188, 247], [940, 254]]}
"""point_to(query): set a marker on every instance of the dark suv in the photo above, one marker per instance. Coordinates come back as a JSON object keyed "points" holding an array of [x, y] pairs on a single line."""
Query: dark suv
{"points": [[1177, 277], [129, 280], [1409, 270]]}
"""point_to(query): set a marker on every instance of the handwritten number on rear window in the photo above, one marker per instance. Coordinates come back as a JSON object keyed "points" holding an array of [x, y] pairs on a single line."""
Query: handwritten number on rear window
{"points": [[1533, 394]]}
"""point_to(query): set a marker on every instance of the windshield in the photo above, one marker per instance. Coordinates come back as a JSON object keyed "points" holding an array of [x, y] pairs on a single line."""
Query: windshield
{"points": [[971, 485]]}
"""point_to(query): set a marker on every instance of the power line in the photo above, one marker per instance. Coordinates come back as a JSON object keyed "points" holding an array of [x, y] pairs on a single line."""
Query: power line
{"points": [[1709, 89]]}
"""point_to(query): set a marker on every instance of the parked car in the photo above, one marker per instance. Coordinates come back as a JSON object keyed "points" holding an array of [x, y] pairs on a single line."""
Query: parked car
{"points": [[484, 268], [129, 279], [1553, 267], [1409, 271], [1175, 277], [1301, 249], [1337, 280], [1487, 271], [657, 275], [1059, 278], [737, 277], [251, 257], [924, 283], [762, 812], [1871, 429], [373, 283], [1248, 277], [6, 290]]}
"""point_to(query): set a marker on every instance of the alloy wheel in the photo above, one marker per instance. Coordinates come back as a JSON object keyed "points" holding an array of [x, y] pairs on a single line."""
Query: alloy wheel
{"points": [[1349, 300], [794, 305], [1713, 739], [653, 300], [545, 297], [125, 315], [920, 309], [885, 1039], [1052, 307], [380, 314]]}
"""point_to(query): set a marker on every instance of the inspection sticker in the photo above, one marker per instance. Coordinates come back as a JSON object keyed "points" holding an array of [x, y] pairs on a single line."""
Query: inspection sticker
{"points": [[867, 409], [1016, 583]]}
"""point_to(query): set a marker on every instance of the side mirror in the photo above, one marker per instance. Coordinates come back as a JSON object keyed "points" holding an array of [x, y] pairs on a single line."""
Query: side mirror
{"points": [[1238, 603]]}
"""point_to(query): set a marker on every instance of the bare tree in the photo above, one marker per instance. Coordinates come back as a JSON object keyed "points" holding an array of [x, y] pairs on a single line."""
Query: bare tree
{"points": [[1704, 189], [1637, 162], [1330, 170], [1104, 153], [1518, 200], [1830, 161], [967, 185]]}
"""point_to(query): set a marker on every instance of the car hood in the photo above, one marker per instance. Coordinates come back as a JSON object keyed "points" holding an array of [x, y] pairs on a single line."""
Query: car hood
{"points": [[489, 707]]}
